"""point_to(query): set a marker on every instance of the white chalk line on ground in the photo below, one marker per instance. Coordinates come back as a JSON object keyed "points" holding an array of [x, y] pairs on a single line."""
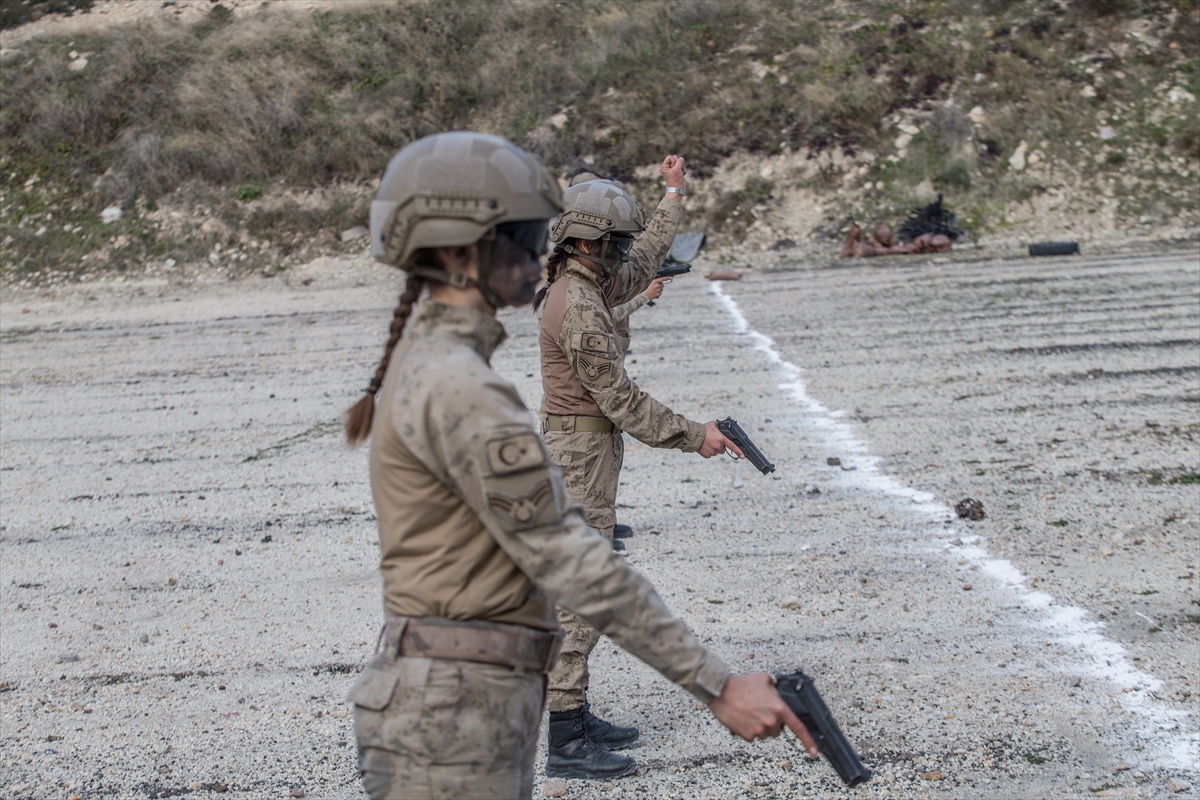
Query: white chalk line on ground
{"points": [[1070, 626]]}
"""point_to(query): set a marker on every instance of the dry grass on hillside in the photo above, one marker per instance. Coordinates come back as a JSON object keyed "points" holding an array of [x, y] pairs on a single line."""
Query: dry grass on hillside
{"points": [[273, 100]]}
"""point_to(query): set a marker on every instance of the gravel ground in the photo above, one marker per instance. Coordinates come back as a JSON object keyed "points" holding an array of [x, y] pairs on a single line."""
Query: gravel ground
{"points": [[188, 553]]}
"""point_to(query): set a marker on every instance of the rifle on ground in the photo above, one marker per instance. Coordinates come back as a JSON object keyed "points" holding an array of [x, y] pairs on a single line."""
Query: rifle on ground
{"points": [[798, 692], [734, 433]]}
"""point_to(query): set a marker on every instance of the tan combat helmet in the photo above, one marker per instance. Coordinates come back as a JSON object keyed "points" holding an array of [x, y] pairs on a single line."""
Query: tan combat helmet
{"points": [[596, 208], [451, 189]]}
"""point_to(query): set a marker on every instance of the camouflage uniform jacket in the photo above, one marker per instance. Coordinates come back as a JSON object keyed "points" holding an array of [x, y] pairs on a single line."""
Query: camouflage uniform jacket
{"points": [[621, 316], [474, 520], [583, 371]]}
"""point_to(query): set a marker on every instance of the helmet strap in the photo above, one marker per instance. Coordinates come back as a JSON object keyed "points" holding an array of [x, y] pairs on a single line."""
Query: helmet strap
{"points": [[459, 280]]}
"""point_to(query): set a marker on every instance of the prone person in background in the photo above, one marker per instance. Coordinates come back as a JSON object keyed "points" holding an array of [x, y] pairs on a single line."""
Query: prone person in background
{"points": [[478, 537]]}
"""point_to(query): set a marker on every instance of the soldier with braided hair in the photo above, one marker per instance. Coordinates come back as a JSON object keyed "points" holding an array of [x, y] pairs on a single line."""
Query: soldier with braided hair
{"points": [[477, 535]]}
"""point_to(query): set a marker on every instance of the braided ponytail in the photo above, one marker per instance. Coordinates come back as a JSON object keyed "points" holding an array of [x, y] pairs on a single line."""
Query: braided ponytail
{"points": [[360, 415], [554, 264]]}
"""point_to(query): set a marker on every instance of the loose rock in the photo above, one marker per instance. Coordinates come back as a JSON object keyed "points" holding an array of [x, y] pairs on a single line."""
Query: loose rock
{"points": [[554, 787], [355, 233], [66, 657], [1175, 785], [969, 508]]}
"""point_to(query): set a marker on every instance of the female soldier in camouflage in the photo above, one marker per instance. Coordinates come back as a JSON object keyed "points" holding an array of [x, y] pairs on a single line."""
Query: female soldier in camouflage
{"points": [[587, 401], [477, 537]]}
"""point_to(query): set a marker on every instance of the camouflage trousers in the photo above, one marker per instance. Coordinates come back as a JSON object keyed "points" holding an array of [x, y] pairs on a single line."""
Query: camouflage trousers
{"points": [[437, 728], [591, 467]]}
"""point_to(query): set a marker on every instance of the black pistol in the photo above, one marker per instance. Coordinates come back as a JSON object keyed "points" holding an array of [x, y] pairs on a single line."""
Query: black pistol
{"points": [[798, 692], [734, 433], [670, 269]]}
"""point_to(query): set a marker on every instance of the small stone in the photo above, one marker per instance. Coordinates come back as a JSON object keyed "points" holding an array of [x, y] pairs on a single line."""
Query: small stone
{"points": [[78, 65], [66, 657], [976, 115], [811, 489], [936, 775], [791, 601], [354, 233], [966, 587], [1175, 785], [110, 214], [969, 508], [1088, 91], [1107, 133], [171, 582], [1106, 552], [1017, 159], [909, 128], [1073, 681], [833, 461], [1122, 766], [559, 120], [903, 141], [144, 638], [296, 793], [554, 787], [724, 275], [266, 539]]}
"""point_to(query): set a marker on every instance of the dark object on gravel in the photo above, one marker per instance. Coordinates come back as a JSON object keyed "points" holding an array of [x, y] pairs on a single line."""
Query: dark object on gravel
{"points": [[1054, 249], [969, 508], [930, 219], [622, 531], [833, 461], [618, 546]]}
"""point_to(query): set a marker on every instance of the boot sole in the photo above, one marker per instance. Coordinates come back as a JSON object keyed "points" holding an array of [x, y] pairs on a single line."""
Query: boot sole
{"points": [[578, 773]]}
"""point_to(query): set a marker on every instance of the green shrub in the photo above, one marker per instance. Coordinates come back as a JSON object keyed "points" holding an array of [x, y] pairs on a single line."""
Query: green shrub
{"points": [[248, 192]]}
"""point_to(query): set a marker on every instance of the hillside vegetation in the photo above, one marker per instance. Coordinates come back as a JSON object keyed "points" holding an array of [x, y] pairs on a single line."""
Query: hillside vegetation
{"points": [[249, 140]]}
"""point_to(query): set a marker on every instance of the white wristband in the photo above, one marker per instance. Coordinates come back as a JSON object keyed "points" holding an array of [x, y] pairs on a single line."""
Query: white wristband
{"points": [[676, 190]]}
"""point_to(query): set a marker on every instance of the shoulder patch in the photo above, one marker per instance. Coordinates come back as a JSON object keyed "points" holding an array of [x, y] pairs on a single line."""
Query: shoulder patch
{"points": [[594, 342], [514, 452], [522, 512], [595, 367]]}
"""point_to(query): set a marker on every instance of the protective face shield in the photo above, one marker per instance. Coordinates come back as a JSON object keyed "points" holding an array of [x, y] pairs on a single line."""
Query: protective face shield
{"points": [[514, 268]]}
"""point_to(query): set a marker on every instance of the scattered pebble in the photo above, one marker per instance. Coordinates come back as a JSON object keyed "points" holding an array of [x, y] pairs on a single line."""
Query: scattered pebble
{"points": [[65, 657], [833, 461], [1175, 785], [969, 508], [554, 787]]}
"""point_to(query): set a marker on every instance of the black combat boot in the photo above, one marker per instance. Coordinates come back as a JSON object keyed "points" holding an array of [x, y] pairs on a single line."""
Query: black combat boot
{"points": [[621, 531], [573, 755], [605, 734]]}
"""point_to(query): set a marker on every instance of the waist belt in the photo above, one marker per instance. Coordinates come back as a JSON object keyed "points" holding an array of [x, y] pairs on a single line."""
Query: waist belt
{"points": [[523, 649], [576, 423]]}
